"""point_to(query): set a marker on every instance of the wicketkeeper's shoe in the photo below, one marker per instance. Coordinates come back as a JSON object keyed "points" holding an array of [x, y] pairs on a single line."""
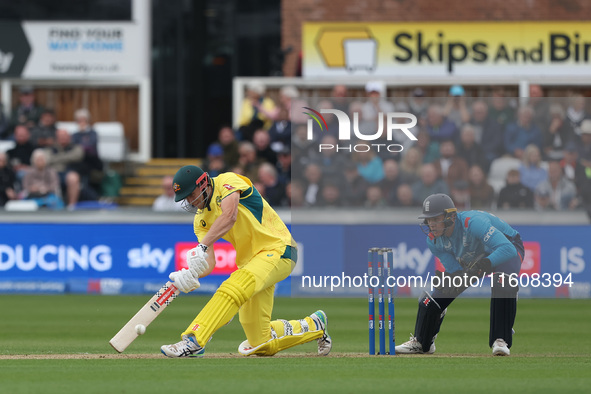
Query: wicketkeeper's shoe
{"points": [[500, 348], [413, 347], [188, 347], [324, 342]]}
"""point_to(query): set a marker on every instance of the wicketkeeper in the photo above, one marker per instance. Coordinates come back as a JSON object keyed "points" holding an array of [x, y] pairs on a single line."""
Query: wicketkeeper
{"points": [[229, 206], [468, 244]]}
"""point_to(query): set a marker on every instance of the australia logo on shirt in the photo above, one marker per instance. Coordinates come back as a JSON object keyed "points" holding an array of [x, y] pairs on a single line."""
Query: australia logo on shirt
{"points": [[218, 201]]}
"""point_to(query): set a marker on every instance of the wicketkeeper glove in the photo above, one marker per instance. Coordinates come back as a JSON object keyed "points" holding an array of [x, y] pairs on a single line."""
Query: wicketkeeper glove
{"points": [[480, 268], [184, 280], [197, 260]]}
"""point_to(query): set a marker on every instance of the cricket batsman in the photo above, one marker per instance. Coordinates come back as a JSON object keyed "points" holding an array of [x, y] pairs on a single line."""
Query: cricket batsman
{"points": [[468, 244], [229, 206]]}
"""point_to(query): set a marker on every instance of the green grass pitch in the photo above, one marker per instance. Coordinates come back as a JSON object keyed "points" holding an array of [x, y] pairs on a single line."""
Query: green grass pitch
{"points": [[59, 344]]}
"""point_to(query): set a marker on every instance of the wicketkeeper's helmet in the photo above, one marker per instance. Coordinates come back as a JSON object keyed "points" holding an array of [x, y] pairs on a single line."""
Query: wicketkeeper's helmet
{"points": [[439, 204]]}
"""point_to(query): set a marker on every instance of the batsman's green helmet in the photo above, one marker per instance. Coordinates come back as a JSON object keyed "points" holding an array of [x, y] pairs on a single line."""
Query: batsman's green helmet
{"points": [[186, 179]]}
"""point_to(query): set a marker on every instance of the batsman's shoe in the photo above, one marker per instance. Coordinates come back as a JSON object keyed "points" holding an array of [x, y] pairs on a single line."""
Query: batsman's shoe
{"points": [[413, 347], [500, 348], [324, 342], [188, 347]]}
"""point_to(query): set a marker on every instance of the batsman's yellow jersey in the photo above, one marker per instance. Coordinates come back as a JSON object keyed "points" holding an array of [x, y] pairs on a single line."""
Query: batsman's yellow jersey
{"points": [[257, 227]]}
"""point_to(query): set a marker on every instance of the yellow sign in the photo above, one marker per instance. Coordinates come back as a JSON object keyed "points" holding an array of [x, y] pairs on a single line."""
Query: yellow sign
{"points": [[442, 49], [331, 44]]}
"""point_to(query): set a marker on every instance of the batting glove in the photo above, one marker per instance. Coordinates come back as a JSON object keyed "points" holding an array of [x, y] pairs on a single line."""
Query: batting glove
{"points": [[184, 280], [197, 260]]}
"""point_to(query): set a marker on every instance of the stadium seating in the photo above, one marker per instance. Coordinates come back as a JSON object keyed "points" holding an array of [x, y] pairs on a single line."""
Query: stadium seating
{"points": [[111, 141], [6, 145], [499, 169]]}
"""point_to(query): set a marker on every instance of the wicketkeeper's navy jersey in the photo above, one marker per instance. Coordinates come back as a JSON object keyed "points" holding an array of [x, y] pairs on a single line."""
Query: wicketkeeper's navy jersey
{"points": [[477, 234]]}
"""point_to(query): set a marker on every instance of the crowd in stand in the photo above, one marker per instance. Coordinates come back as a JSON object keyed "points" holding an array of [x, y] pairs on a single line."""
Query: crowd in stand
{"points": [[487, 153], [48, 165]]}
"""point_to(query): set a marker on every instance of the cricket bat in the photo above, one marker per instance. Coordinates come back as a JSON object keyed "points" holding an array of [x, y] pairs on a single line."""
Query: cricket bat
{"points": [[145, 316]]}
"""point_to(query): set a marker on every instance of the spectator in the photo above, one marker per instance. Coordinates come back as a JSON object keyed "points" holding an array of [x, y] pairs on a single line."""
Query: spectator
{"points": [[539, 105], [500, 110], [332, 125], [261, 142], [257, 111], [571, 166], [470, 150], [455, 108], [522, 133], [292, 104], [284, 165], [410, 166], [20, 155], [515, 194], [274, 189], [556, 192], [237, 169], [556, 134], [418, 104], [531, 170], [165, 201], [67, 159], [88, 138], [438, 126], [330, 160], [85, 136], [41, 183], [575, 171], [214, 163], [280, 131], [450, 167], [295, 194], [287, 95], [482, 195], [355, 186], [391, 181], [7, 180], [339, 99], [369, 166], [375, 108], [27, 112], [428, 184], [459, 192], [429, 149], [313, 179], [584, 147], [399, 137], [248, 160], [355, 107], [227, 140], [301, 149], [374, 197], [405, 197], [376, 103], [331, 196], [488, 131], [575, 112], [43, 134]]}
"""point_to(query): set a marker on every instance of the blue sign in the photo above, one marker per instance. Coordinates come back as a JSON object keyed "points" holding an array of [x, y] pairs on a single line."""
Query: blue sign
{"points": [[136, 258]]}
